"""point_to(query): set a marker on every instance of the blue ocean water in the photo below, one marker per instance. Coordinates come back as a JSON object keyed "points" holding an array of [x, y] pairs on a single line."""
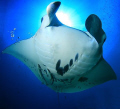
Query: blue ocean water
{"points": [[20, 89]]}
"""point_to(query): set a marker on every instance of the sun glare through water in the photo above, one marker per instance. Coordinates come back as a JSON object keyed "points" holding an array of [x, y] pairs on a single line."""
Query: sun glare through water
{"points": [[64, 18], [69, 19]]}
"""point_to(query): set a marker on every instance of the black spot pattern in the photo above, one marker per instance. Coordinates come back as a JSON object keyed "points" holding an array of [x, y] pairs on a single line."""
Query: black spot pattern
{"points": [[62, 70], [58, 64], [71, 62], [66, 68], [76, 57], [83, 79]]}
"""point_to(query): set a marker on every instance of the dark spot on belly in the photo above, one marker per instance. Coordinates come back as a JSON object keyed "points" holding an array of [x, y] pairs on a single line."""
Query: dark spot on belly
{"points": [[71, 62], [76, 57], [66, 68], [60, 71], [58, 64], [83, 79]]}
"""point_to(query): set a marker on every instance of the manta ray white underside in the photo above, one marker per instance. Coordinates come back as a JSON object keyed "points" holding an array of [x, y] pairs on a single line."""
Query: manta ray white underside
{"points": [[63, 58]]}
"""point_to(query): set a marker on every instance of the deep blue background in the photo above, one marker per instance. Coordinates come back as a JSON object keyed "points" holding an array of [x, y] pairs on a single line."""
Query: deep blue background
{"points": [[20, 89]]}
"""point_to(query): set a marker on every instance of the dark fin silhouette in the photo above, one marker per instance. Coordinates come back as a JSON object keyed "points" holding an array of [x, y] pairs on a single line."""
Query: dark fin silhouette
{"points": [[94, 26]]}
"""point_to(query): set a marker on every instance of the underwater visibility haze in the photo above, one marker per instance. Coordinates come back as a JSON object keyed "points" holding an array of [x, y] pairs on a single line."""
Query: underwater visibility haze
{"points": [[75, 48]]}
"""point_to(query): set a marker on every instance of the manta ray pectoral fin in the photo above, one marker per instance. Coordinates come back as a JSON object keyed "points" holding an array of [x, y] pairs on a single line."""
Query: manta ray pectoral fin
{"points": [[101, 73], [51, 10], [24, 51], [94, 26]]}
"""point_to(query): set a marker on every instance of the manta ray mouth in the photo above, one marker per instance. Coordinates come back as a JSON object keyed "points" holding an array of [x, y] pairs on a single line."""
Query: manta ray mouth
{"points": [[62, 70]]}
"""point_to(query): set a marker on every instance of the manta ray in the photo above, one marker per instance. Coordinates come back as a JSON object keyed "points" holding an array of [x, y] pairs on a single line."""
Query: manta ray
{"points": [[64, 58]]}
